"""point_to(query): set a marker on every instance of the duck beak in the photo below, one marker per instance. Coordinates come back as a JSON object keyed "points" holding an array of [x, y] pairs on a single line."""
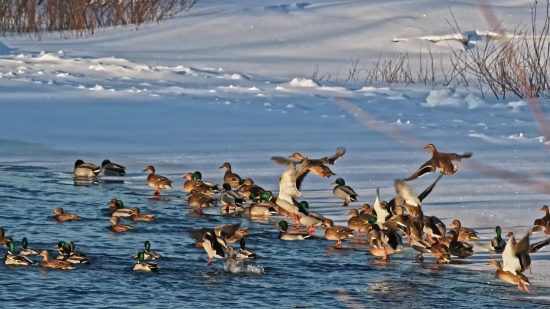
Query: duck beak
{"points": [[108, 221], [220, 167], [290, 157], [450, 224], [333, 183]]}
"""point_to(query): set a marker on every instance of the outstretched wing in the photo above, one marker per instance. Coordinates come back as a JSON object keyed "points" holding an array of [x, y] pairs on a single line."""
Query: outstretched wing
{"points": [[403, 190], [429, 189], [426, 168], [340, 152], [539, 245], [457, 157]]}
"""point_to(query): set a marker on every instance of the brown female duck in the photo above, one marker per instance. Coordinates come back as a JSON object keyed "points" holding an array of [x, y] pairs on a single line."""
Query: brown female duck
{"points": [[518, 279], [57, 264], [358, 223], [136, 216], [192, 184], [464, 234], [248, 187], [441, 160], [64, 216], [157, 182], [229, 177], [118, 228], [4, 239], [459, 248], [315, 166], [340, 152], [338, 233], [200, 201]]}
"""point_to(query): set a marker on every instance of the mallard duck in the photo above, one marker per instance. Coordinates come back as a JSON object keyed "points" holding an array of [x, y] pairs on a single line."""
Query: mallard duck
{"points": [[410, 225], [237, 236], [143, 266], [157, 182], [441, 160], [384, 244], [118, 228], [112, 205], [542, 224], [464, 234], [136, 216], [147, 252], [63, 216], [440, 251], [291, 179], [431, 230], [289, 208], [57, 264], [344, 192], [212, 247], [215, 187], [458, 248], [82, 169], [358, 223], [229, 177], [67, 256], [63, 246], [498, 244], [24, 248], [192, 184], [245, 253], [249, 188], [259, 208], [284, 234], [4, 239], [197, 200], [516, 278], [338, 233], [515, 256], [222, 232], [112, 169], [230, 199], [340, 152], [121, 211], [13, 259], [315, 166], [382, 213], [546, 218], [367, 210], [307, 220]]}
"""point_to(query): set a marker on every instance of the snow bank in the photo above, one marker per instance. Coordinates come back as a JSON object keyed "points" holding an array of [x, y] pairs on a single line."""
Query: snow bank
{"points": [[449, 98]]}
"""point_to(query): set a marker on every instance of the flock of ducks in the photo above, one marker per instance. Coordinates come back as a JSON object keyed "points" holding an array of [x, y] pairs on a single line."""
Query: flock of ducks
{"points": [[385, 223]]}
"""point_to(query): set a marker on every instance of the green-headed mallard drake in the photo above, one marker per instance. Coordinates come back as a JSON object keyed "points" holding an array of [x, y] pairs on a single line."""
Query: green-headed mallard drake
{"points": [[340, 152], [249, 188], [230, 199], [4, 239], [358, 223], [337, 233], [64, 216], [25, 250], [199, 201], [15, 259], [67, 256], [441, 160], [305, 219], [261, 207], [245, 253], [119, 228], [215, 187], [147, 252], [112, 169], [82, 169], [384, 244], [62, 246], [143, 266], [285, 234], [57, 264], [120, 210], [136, 216], [315, 166], [459, 248], [344, 192], [516, 278], [192, 184], [112, 205], [229, 177], [464, 234], [498, 244], [212, 247], [157, 182]]}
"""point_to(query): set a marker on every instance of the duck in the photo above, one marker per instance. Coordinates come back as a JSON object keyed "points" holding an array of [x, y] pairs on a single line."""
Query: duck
{"points": [[382, 213], [358, 223], [112, 205], [441, 160], [286, 208], [340, 152], [229, 177], [259, 208], [119, 228], [464, 234], [63, 216], [546, 219], [82, 169], [458, 248], [221, 232], [147, 252], [67, 256], [57, 264], [516, 278], [366, 209], [230, 199], [337, 233], [284, 234], [121, 211], [4, 239], [291, 179], [498, 244], [237, 236], [157, 182], [212, 247], [307, 220], [136, 216], [112, 169], [344, 192], [315, 166], [192, 184], [13, 259], [542, 224], [215, 187], [245, 253], [24, 248], [440, 252], [431, 230], [248, 187], [143, 266], [515, 256], [384, 244], [410, 225], [199, 201]]}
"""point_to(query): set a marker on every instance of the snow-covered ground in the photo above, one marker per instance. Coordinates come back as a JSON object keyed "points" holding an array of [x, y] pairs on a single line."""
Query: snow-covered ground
{"points": [[230, 81]]}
